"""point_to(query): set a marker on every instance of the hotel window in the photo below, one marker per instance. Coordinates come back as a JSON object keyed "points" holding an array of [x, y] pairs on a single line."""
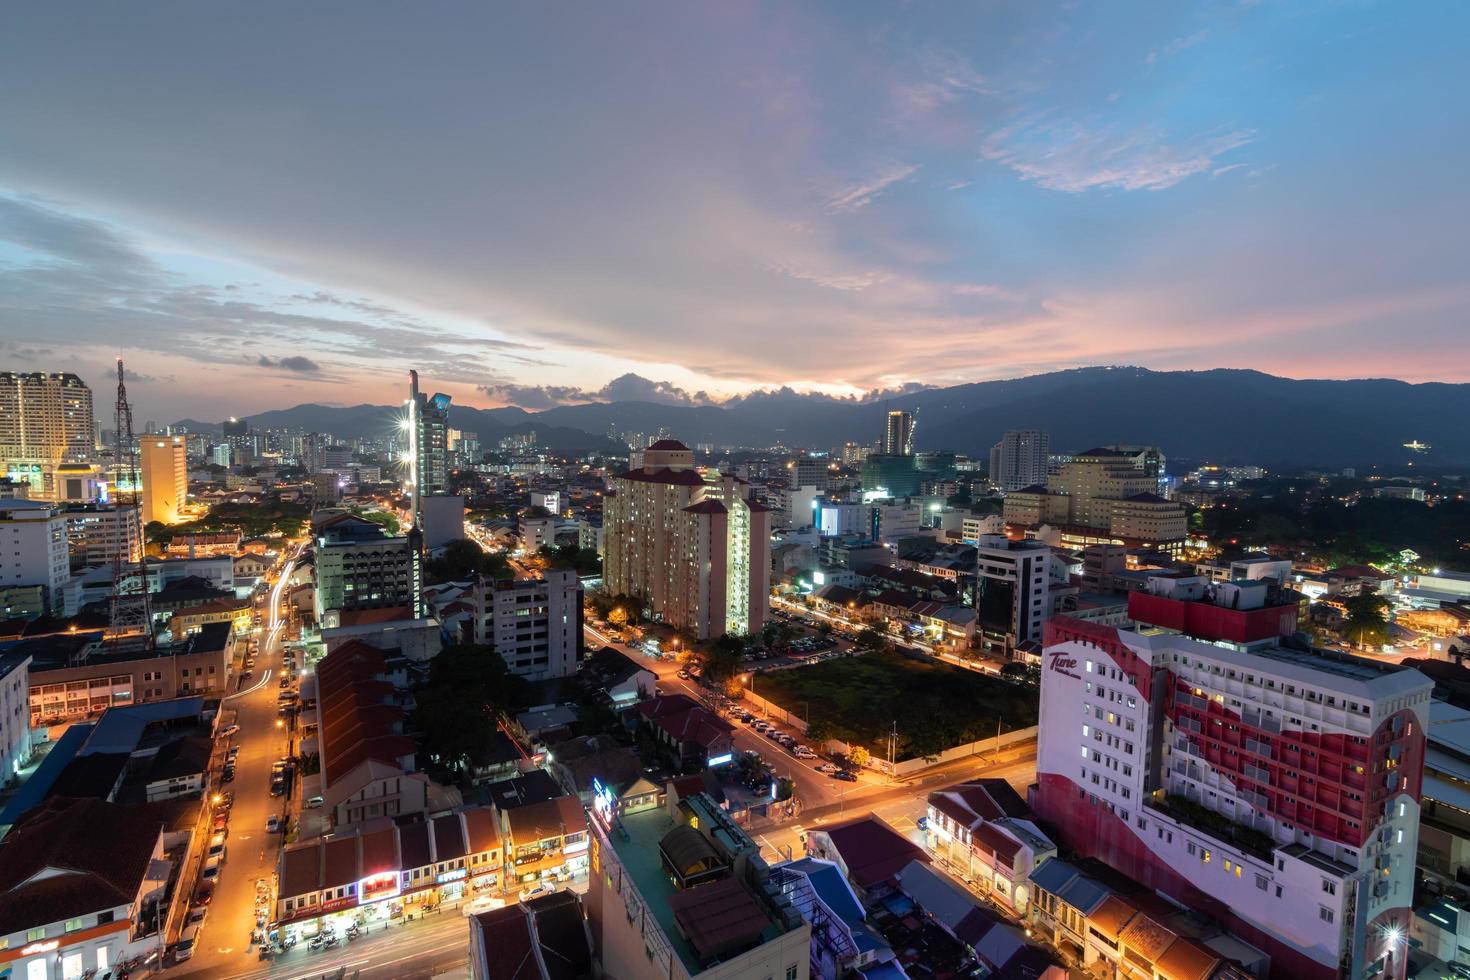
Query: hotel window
{"points": [[36, 935]]}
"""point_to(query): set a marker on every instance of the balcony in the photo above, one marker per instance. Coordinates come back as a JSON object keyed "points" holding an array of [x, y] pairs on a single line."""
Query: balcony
{"points": [[1217, 825]]}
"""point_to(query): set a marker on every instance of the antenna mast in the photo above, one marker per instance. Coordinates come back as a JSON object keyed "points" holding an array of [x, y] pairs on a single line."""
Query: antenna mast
{"points": [[130, 622]]}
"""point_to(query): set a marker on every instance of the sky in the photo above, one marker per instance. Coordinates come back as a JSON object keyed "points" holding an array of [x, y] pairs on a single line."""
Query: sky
{"points": [[264, 204]]}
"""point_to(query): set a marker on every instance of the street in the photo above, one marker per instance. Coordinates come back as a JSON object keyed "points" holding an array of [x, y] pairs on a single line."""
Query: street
{"points": [[826, 799]]}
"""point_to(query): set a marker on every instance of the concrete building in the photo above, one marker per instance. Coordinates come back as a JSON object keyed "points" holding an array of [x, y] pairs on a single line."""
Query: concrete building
{"points": [[164, 469], [45, 420], [535, 625], [1012, 592], [1271, 788], [428, 444], [550, 499], [75, 677], [82, 887], [80, 483], [679, 890], [544, 938], [15, 715], [443, 519], [98, 533], [898, 434], [1020, 459], [589, 533], [33, 548], [357, 566], [537, 533], [694, 545], [1107, 493]]}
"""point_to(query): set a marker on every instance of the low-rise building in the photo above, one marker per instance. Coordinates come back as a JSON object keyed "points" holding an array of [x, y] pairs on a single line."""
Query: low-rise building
{"points": [[410, 864], [545, 938], [680, 891], [694, 734], [33, 548], [985, 832], [544, 842], [82, 888]]}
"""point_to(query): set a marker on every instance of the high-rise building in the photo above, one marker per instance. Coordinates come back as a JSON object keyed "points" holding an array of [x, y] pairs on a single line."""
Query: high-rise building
{"points": [[234, 427], [45, 420], [852, 454], [1103, 496], [164, 468], [1012, 591], [898, 435], [360, 567], [428, 445], [690, 543], [34, 552], [1019, 459], [535, 625], [1273, 788]]}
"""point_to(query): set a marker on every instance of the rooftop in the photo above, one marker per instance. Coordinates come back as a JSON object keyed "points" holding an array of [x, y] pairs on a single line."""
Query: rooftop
{"points": [[714, 919]]}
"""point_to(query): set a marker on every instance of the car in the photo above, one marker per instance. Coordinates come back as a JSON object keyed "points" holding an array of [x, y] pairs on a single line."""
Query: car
{"points": [[221, 821], [204, 895], [224, 801], [746, 717], [536, 891], [802, 752], [278, 787], [273, 825], [846, 775], [314, 803], [217, 851], [196, 915], [683, 674], [184, 950], [211, 873], [232, 730], [827, 769], [228, 776], [218, 840]]}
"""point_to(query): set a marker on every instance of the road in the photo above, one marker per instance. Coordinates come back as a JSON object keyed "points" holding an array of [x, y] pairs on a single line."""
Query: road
{"points": [[818, 792]]}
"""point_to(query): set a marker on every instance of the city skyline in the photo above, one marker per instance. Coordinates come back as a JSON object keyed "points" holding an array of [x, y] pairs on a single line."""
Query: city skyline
{"points": [[725, 200]]}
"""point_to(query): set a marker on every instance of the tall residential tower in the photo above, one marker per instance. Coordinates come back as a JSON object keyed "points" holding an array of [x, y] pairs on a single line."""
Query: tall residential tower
{"points": [[45, 420]]}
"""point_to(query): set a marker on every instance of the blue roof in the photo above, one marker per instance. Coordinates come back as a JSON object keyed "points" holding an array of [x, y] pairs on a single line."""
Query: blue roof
{"points": [[1070, 885], [831, 887], [885, 971], [34, 790], [945, 902], [120, 728]]}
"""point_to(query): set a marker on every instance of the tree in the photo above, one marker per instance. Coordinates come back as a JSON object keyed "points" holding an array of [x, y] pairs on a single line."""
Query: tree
{"points": [[464, 559], [819, 730], [860, 756], [1367, 620], [721, 658], [871, 639], [457, 709]]}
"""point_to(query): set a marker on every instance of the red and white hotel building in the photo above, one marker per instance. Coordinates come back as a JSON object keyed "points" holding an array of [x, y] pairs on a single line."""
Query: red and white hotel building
{"points": [[1143, 730]]}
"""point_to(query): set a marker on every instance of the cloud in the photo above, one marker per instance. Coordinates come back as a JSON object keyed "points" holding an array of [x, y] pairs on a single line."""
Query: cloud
{"points": [[1175, 47], [1068, 156], [625, 388], [857, 196], [296, 363]]}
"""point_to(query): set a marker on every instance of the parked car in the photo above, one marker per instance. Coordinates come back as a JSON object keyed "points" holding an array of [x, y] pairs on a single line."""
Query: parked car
{"points": [[802, 752], [228, 776], [273, 825], [217, 850], [536, 891], [211, 873], [232, 730], [847, 776]]}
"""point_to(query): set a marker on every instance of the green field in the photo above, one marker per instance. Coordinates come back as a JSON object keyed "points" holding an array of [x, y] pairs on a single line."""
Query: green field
{"points": [[936, 706]]}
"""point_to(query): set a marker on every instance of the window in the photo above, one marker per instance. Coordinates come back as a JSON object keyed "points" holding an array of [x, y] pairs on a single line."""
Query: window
{"points": [[36, 935], [1324, 913], [72, 925], [104, 917], [1261, 882], [1329, 886], [791, 972]]}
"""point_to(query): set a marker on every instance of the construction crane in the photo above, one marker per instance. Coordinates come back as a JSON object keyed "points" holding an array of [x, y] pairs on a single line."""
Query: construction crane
{"points": [[130, 619]]}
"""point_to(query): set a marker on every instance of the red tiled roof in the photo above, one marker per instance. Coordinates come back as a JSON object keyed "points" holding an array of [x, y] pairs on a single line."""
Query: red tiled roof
{"points": [[379, 852], [357, 724], [1186, 960], [101, 851], [1002, 845], [717, 917], [369, 617], [483, 829], [547, 819], [872, 850], [1112, 916], [686, 721]]}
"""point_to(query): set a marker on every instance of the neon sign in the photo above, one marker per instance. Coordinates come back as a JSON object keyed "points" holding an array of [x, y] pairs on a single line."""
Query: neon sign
{"points": [[721, 760], [381, 885], [41, 947]]}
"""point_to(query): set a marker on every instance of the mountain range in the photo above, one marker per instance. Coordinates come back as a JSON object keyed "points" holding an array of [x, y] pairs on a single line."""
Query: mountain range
{"points": [[1222, 415]]}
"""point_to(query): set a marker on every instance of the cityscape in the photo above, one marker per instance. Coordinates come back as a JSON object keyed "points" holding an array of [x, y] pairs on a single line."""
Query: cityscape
{"points": [[405, 581]]}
